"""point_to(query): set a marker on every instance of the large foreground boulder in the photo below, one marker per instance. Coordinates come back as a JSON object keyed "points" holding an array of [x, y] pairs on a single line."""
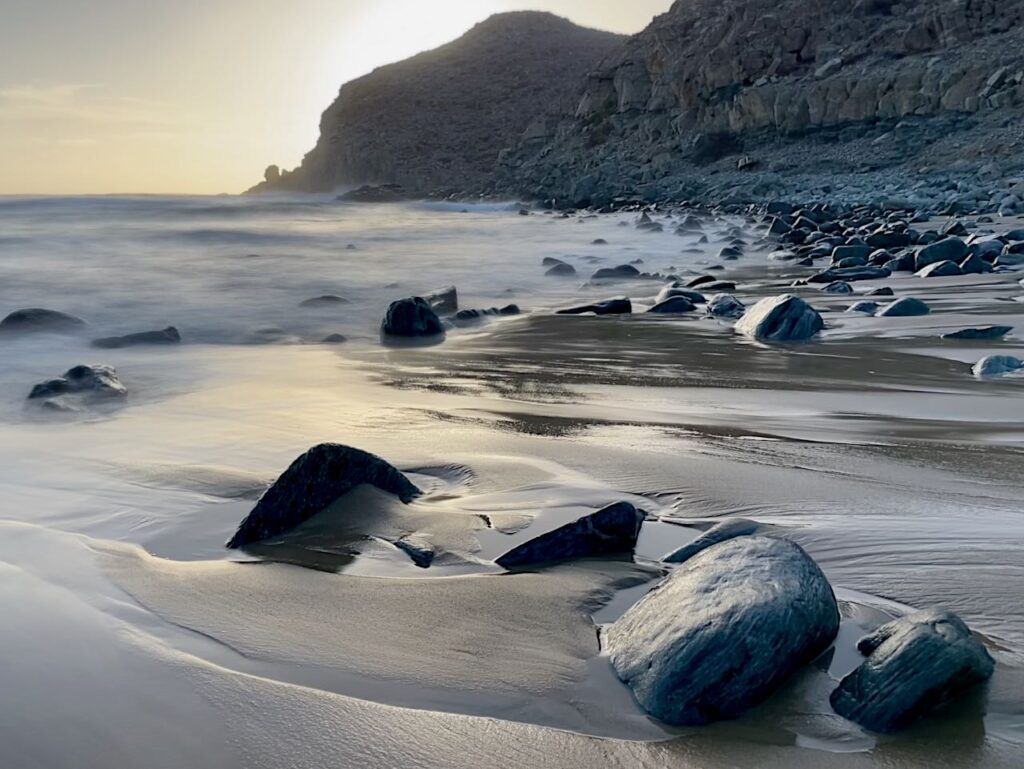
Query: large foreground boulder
{"points": [[785, 318], [914, 665], [168, 335], [610, 530], [38, 320], [411, 318], [724, 631], [314, 481]]}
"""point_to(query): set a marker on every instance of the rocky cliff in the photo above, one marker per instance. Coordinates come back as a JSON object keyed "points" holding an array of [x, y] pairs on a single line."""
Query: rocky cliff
{"points": [[437, 121], [747, 95]]}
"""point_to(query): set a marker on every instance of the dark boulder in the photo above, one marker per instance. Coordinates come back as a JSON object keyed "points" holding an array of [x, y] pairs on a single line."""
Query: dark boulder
{"points": [[700, 280], [328, 300], [561, 270], [948, 250], [906, 307], [866, 307], [674, 305], [883, 291], [312, 483], [785, 318], [983, 332], [37, 320], [724, 631], [611, 530], [87, 383], [168, 335], [412, 317], [622, 272], [620, 306], [838, 287], [850, 274], [940, 270], [725, 306], [915, 665], [334, 339]]}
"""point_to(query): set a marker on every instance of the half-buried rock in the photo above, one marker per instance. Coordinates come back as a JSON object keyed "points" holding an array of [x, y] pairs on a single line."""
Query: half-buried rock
{"points": [[83, 384], [610, 530], [721, 532], [37, 320], [724, 631], [620, 306], [785, 318], [411, 318], [312, 483], [915, 665], [168, 335]]}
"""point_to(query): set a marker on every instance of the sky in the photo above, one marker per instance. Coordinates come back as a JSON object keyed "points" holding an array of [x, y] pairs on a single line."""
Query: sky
{"points": [[199, 96]]}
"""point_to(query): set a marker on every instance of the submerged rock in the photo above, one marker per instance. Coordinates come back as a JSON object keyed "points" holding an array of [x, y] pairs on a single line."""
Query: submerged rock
{"points": [[997, 365], [726, 629], [620, 306], [445, 301], [722, 532], [673, 305], [914, 665], [687, 293], [334, 339], [866, 307], [86, 383], [328, 300], [850, 274], [168, 335], [950, 249], [940, 270], [622, 272], [726, 306], [906, 307], [838, 287], [611, 530], [36, 319], [785, 318], [412, 317], [983, 332], [314, 481], [561, 270]]}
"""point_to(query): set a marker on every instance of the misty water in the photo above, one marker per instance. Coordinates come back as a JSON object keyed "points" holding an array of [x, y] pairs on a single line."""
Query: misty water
{"points": [[126, 623]]}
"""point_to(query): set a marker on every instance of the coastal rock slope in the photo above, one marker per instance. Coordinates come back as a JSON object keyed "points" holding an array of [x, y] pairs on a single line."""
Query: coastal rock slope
{"points": [[438, 120], [747, 93]]}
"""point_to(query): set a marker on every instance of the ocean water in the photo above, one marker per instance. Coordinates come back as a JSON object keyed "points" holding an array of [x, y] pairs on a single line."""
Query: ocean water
{"points": [[126, 620]]}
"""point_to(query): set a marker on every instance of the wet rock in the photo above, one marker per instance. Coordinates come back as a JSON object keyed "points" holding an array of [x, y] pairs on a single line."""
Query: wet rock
{"points": [[445, 301], [328, 300], [334, 339], [421, 552], [38, 320], [940, 270], [673, 306], [860, 253], [700, 280], [726, 530], [850, 274], [948, 250], [471, 316], [983, 332], [729, 254], [95, 382], [838, 287], [719, 285], [622, 272], [670, 291], [611, 530], [599, 242], [312, 483], [974, 265], [994, 366], [561, 270], [619, 306], [785, 318], [915, 665], [866, 307], [410, 318], [726, 307], [883, 291], [906, 307], [168, 335], [724, 631]]}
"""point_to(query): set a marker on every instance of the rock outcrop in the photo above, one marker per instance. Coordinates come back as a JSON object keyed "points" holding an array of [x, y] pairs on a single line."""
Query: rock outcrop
{"points": [[438, 121]]}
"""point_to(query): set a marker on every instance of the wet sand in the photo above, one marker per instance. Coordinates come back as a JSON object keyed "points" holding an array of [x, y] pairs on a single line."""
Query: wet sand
{"points": [[872, 447]]}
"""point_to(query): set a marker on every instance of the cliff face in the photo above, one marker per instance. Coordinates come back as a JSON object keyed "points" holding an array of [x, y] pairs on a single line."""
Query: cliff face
{"points": [[753, 83], [437, 121]]}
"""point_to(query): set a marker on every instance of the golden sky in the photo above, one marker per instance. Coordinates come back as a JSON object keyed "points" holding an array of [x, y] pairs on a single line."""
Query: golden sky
{"points": [[199, 96]]}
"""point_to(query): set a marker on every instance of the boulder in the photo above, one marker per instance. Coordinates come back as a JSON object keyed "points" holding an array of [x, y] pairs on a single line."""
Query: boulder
{"points": [[940, 270], [412, 317], [561, 270], [620, 306], [726, 306], [915, 665], [948, 250], [168, 335], [670, 291], [869, 308], [883, 291], [983, 332], [906, 307], [613, 529], [90, 383], [974, 265], [622, 272], [785, 318], [993, 366], [38, 320], [334, 339], [851, 252], [700, 280], [838, 287], [673, 305], [724, 631], [312, 483], [719, 285], [850, 274], [726, 530]]}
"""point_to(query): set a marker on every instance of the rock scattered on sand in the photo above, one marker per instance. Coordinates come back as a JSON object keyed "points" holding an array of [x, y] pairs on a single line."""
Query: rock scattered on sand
{"points": [[463, 317], [412, 317], [38, 320], [334, 339], [721, 532], [726, 307], [168, 335], [724, 631], [700, 280], [561, 270], [622, 272], [312, 483], [983, 332], [907, 307], [618, 306], [674, 305], [838, 287], [613, 529], [785, 318], [996, 366], [328, 300], [883, 291], [940, 270], [915, 665], [670, 291], [80, 385]]}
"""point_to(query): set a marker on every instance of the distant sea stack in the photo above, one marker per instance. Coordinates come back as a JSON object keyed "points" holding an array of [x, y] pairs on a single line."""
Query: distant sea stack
{"points": [[737, 97], [436, 123]]}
